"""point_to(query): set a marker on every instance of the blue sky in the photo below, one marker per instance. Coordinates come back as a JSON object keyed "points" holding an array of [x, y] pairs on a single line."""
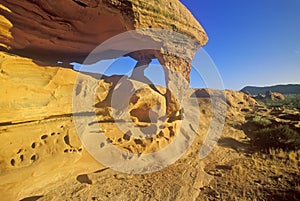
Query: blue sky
{"points": [[251, 42]]}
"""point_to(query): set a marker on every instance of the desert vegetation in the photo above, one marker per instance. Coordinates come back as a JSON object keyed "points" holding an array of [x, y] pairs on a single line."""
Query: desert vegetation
{"points": [[281, 136], [292, 101], [267, 165]]}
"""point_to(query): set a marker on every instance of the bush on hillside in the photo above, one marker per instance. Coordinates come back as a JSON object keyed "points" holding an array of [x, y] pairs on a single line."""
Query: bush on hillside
{"points": [[278, 137], [261, 121]]}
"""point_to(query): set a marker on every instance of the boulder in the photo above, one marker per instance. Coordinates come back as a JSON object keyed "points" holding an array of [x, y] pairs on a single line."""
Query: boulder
{"points": [[274, 96]]}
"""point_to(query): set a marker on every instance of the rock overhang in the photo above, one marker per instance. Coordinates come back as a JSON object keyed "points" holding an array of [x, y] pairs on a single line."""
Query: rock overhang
{"points": [[67, 31]]}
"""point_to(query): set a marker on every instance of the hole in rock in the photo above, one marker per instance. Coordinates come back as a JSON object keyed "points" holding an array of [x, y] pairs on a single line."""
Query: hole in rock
{"points": [[33, 157], [32, 198], [123, 66], [134, 99], [67, 140], [80, 4], [109, 67], [138, 141], [144, 114], [172, 133], [127, 136], [84, 179], [12, 162], [160, 134], [44, 137]]}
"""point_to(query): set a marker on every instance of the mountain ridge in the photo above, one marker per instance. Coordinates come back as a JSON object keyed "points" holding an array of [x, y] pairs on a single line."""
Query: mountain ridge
{"points": [[280, 88]]}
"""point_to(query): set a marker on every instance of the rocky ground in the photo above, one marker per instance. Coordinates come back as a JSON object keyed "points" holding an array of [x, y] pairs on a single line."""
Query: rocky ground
{"points": [[43, 158]]}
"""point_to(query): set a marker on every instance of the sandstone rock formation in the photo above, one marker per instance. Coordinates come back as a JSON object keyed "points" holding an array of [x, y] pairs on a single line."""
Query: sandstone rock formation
{"points": [[67, 31], [269, 95], [274, 95], [42, 157], [40, 146], [41, 154], [39, 143], [31, 92]]}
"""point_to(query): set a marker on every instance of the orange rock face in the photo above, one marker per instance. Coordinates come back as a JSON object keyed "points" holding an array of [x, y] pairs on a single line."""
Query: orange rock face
{"points": [[67, 31]]}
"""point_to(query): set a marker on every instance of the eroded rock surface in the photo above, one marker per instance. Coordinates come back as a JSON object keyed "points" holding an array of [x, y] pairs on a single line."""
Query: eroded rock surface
{"points": [[39, 142], [41, 154]]}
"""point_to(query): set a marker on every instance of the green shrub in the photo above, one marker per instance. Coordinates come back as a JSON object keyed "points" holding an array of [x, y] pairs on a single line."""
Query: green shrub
{"points": [[278, 137], [261, 121]]}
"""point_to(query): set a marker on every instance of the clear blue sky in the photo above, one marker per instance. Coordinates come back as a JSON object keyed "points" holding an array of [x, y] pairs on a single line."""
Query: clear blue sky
{"points": [[252, 42]]}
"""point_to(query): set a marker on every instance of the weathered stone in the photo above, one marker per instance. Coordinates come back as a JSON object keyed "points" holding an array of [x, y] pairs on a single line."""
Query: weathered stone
{"points": [[274, 95], [67, 31]]}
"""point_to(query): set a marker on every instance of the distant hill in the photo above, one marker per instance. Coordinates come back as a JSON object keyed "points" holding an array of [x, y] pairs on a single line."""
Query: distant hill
{"points": [[284, 89]]}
